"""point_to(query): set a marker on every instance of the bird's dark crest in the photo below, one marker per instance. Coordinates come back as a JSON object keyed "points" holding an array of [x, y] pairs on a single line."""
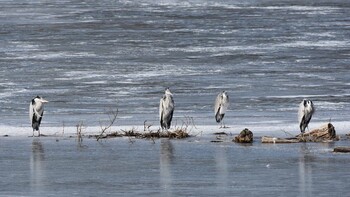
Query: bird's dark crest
{"points": [[33, 101]]}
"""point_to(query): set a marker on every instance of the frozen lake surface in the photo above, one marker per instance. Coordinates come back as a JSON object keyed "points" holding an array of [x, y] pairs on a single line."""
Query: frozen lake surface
{"points": [[89, 57]]}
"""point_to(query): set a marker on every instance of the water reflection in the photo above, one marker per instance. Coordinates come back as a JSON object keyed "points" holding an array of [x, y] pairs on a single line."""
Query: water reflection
{"points": [[166, 159], [221, 169], [305, 170], [37, 166], [81, 146]]}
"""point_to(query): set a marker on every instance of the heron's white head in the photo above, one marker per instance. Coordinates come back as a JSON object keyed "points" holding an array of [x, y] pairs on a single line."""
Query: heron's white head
{"points": [[224, 94], [39, 99], [307, 103], [167, 91]]}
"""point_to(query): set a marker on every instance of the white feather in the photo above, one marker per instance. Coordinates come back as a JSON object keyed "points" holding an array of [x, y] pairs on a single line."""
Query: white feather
{"points": [[222, 102]]}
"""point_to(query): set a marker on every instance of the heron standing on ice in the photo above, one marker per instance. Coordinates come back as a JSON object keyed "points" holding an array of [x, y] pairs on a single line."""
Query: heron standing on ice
{"points": [[36, 112], [306, 110], [221, 104], [166, 109]]}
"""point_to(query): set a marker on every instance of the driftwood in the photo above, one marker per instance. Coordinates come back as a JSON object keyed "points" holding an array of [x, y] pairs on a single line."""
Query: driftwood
{"points": [[324, 133], [342, 149], [178, 134], [246, 136]]}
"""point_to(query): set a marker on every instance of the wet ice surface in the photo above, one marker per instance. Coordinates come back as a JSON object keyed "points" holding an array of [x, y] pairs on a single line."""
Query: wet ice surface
{"points": [[56, 166], [87, 57]]}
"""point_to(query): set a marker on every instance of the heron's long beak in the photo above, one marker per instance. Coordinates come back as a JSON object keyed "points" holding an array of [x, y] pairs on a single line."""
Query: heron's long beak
{"points": [[167, 91], [44, 101]]}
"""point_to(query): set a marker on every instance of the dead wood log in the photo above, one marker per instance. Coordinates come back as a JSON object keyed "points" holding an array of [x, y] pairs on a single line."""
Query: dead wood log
{"points": [[342, 149], [177, 134], [246, 136], [325, 133]]}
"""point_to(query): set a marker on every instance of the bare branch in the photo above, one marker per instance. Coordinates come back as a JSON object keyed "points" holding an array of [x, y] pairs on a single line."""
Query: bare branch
{"points": [[112, 118]]}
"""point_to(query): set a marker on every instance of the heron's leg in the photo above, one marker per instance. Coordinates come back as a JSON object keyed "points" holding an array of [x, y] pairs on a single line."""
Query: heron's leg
{"points": [[163, 129], [303, 136], [38, 133], [223, 124], [220, 125]]}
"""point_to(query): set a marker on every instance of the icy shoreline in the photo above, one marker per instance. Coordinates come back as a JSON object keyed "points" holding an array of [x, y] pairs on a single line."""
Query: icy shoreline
{"points": [[258, 130]]}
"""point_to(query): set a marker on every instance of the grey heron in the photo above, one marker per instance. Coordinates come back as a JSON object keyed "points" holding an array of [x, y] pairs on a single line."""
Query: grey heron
{"points": [[221, 104], [36, 112], [306, 110], [166, 109]]}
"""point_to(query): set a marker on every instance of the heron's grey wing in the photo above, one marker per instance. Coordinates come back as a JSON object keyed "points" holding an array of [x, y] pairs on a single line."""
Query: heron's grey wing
{"points": [[168, 108], [307, 118], [308, 114], [172, 107], [313, 109], [218, 106], [161, 108], [31, 112], [301, 112], [224, 105], [41, 113], [172, 102], [217, 103]]}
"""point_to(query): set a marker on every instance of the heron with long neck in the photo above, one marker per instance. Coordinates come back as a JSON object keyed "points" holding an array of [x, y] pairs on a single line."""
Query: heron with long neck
{"points": [[306, 110], [221, 104], [166, 109], [36, 112]]}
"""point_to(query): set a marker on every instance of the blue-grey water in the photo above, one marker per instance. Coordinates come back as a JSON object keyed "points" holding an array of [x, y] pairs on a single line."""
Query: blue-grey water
{"points": [[90, 57], [117, 167]]}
